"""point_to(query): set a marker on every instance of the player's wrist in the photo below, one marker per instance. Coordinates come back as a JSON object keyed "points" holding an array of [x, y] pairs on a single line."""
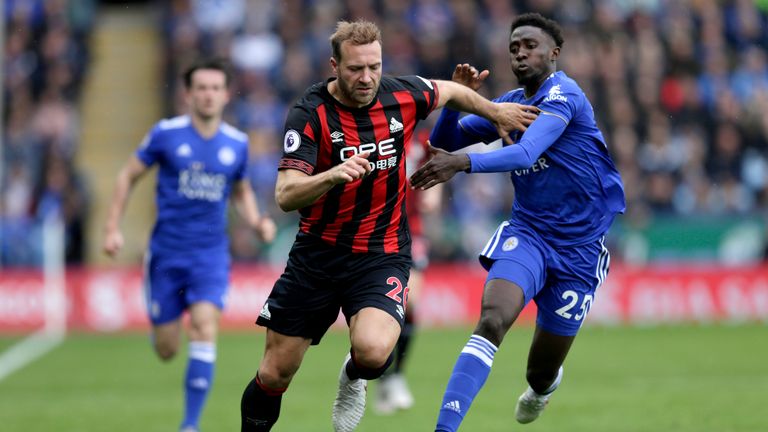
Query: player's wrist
{"points": [[466, 163]]}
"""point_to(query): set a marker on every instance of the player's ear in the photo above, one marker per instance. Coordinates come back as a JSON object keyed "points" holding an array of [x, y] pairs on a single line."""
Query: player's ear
{"points": [[334, 64], [554, 54]]}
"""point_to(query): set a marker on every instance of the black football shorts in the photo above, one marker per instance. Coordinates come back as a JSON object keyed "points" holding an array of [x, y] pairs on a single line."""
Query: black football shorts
{"points": [[319, 280]]}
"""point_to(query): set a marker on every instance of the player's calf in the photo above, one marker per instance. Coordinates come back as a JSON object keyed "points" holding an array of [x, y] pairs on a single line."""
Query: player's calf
{"points": [[259, 406]]}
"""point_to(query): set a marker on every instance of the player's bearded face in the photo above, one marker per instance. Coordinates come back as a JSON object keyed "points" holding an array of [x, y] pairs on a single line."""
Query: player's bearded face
{"points": [[358, 73], [531, 54], [208, 93]]}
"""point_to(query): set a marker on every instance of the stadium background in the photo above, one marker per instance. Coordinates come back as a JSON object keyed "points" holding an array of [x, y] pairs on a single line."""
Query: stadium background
{"points": [[680, 89]]}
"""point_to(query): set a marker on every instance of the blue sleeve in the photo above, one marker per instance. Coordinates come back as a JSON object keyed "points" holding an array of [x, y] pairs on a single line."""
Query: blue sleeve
{"points": [[150, 148], [541, 134], [452, 134], [447, 134], [242, 168]]}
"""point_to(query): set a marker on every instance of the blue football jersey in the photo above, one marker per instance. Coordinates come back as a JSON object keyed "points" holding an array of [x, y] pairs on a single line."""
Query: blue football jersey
{"points": [[194, 180], [572, 192]]}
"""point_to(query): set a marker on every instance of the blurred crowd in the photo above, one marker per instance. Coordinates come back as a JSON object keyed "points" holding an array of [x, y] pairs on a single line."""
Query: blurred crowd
{"points": [[45, 60], [680, 89]]}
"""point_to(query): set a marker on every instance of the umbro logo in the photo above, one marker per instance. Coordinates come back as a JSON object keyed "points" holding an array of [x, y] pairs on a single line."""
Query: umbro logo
{"points": [[395, 126], [400, 311], [337, 136], [453, 406], [265, 313]]}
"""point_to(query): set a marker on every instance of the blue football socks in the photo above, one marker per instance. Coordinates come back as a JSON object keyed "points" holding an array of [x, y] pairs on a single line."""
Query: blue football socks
{"points": [[468, 376], [202, 357]]}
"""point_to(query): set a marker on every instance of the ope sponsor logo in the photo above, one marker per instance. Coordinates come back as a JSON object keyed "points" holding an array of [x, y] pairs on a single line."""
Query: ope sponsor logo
{"points": [[382, 148]]}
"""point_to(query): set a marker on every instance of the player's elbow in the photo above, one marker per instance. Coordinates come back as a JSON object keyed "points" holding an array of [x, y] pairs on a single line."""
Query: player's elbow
{"points": [[284, 200], [525, 158]]}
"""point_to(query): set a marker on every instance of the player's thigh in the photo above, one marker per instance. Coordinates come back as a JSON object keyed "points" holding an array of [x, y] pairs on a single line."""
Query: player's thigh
{"points": [[208, 278], [301, 305], [164, 286], [562, 307], [575, 274], [373, 334], [379, 282], [502, 302], [516, 256]]}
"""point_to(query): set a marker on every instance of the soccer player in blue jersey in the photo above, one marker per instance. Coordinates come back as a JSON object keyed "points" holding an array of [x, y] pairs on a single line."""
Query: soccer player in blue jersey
{"points": [[201, 162], [551, 251]]}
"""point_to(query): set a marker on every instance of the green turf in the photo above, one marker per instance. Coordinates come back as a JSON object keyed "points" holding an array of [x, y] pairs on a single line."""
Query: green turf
{"points": [[7, 341], [682, 379]]}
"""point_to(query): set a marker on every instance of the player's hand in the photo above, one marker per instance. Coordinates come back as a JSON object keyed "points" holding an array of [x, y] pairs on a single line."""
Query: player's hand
{"points": [[468, 76], [513, 116], [352, 169], [440, 168], [113, 242], [266, 229]]}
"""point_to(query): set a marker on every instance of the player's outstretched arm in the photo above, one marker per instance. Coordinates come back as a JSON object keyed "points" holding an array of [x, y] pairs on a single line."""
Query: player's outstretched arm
{"points": [[468, 76], [506, 117], [440, 168], [245, 202], [126, 178], [295, 189]]}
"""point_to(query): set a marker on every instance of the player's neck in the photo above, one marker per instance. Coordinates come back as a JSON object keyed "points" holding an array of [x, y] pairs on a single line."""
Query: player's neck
{"points": [[534, 86], [207, 128]]}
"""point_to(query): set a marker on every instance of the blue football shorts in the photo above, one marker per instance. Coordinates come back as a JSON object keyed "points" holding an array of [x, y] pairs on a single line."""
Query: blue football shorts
{"points": [[561, 280], [174, 281]]}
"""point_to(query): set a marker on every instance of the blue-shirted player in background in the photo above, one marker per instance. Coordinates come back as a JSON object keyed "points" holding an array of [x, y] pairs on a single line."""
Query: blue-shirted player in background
{"points": [[551, 251], [201, 162]]}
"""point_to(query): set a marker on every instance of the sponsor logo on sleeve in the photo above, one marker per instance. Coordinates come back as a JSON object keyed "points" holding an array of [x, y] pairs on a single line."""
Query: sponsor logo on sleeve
{"points": [[510, 244], [555, 94], [292, 141]]}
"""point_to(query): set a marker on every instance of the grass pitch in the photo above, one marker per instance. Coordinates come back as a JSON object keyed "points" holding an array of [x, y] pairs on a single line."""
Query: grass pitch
{"points": [[685, 379]]}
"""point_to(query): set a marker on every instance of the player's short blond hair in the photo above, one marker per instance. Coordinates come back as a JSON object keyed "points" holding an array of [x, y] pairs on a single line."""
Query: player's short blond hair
{"points": [[360, 32]]}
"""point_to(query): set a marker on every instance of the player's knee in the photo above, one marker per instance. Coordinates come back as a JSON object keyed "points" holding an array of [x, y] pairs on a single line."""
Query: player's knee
{"points": [[276, 374], [166, 351], [492, 327], [371, 355], [203, 330]]}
